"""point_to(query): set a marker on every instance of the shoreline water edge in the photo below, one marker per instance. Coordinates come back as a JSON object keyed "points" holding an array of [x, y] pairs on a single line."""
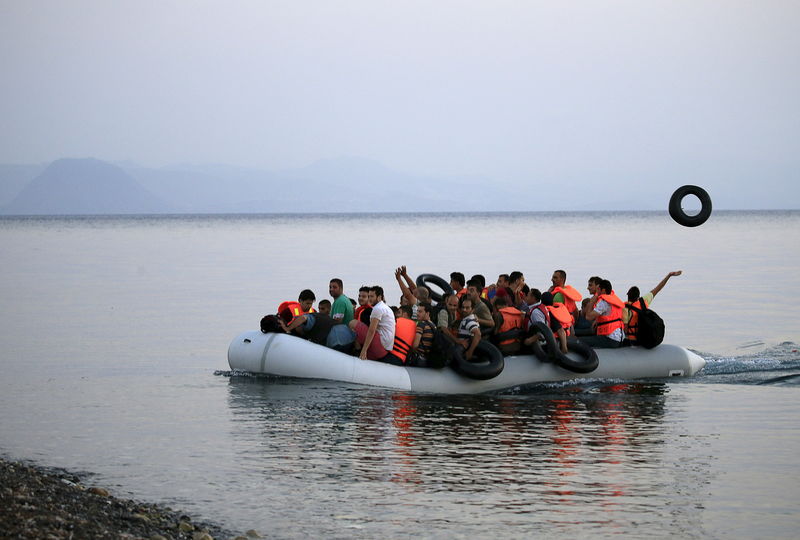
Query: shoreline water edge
{"points": [[41, 502]]}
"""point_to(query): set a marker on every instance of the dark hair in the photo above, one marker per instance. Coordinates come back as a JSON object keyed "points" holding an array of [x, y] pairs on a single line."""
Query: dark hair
{"points": [[286, 315], [525, 289], [595, 279], [536, 293], [500, 301], [364, 316], [270, 324], [464, 299], [547, 298], [563, 274], [324, 302], [633, 294], [605, 285], [338, 282], [364, 288], [426, 306], [306, 294], [480, 279], [458, 277], [378, 290], [514, 276], [475, 283], [505, 276], [407, 311]]}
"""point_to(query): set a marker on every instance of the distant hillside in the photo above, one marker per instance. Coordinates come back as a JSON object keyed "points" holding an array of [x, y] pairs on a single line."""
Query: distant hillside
{"points": [[14, 178], [84, 186]]}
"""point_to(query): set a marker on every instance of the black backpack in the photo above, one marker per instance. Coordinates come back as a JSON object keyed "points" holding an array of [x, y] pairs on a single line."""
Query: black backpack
{"points": [[649, 326]]}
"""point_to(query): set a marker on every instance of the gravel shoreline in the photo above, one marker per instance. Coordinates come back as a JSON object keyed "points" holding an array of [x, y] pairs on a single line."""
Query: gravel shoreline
{"points": [[42, 503]]}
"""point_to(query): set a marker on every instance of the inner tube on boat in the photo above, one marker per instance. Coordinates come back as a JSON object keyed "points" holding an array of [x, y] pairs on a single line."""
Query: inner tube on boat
{"points": [[487, 362], [426, 280], [551, 352], [677, 213]]}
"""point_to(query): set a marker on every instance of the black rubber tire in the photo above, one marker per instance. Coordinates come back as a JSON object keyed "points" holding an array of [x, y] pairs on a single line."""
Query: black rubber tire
{"points": [[586, 364], [546, 353], [681, 217], [426, 280], [490, 368]]}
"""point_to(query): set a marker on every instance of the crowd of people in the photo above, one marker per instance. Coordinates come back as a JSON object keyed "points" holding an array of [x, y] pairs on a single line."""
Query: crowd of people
{"points": [[508, 313]]}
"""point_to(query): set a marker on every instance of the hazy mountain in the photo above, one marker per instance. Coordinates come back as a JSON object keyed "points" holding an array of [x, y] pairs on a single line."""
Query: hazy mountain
{"points": [[14, 178], [84, 186]]}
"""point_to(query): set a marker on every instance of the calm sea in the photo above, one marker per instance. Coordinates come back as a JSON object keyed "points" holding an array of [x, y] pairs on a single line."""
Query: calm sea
{"points": [[113, 340]]}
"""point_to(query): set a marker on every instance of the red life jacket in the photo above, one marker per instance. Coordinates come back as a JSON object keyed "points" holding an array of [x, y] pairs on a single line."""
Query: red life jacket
{"points": [[562, 315], [359, 309], [405, 330], [606, 324], [540, 307], [294, 310], [571, 296], [633, 320], [512, 319]]}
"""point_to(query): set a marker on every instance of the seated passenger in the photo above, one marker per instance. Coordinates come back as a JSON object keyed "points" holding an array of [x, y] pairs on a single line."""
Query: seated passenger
{"points": [[583, 326], [483, 314], [516, 281], [457, 282], [306, 300], [556, 317], [469, 331], [448, 316], [509, 324], [630, 317], [606, 312], [363, 301], [423, 340], [563, 293], [324, 306], [342, 309], [377, 339]]}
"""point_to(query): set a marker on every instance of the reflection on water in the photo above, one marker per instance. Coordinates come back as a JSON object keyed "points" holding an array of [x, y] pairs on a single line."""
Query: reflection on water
{"points": [[576, 460]]}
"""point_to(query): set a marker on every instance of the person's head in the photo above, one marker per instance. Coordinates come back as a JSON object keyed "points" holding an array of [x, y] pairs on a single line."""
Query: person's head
{"points": [[451, 303], [480, 280], [604, 287], [324, 306], [363, 296], [423, 294], [306, 300], [594, 281], [501, 301], [534, 296], [474, 289], [424, 311], [270, 324], [525, 290], [466, 305], [634, 293], [286, 315], [405, 312], [335, 288], [559, 278], [378, 290], [457, 281], [516, 278], [502, 281], [371, 296], [547, 298]]}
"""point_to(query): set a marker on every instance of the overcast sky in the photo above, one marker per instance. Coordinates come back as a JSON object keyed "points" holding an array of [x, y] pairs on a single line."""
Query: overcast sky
{"points": [[564, 95]]}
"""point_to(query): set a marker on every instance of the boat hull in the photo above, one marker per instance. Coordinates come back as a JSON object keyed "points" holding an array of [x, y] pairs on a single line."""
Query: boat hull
{"points": [[289, 356]]}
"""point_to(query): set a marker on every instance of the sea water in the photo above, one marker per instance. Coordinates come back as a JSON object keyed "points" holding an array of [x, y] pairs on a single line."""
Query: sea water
{"points": [[113, 339]]}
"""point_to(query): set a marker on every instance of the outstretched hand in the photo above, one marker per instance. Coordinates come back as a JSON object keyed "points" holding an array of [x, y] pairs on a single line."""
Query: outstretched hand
{"points": [[675, 273]]}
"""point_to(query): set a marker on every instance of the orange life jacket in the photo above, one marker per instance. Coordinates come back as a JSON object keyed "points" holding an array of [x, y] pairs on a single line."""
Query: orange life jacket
{"points": [[512, 319], [633, 320], [562, 315], [571, 296], [606, 324], [359, 309], [294, 309], [405, 330]]}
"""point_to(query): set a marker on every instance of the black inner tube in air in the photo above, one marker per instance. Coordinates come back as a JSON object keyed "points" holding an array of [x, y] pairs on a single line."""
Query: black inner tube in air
{"points": [[426, 280], [680, 216], [487, 362]]}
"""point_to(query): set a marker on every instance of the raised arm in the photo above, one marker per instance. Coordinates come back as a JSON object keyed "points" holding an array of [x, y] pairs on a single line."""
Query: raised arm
{"points": [[408, 294], [663, 282]]}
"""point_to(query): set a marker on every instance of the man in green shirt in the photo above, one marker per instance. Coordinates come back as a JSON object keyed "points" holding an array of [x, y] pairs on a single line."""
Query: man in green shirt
{"points": [[342, 308]]}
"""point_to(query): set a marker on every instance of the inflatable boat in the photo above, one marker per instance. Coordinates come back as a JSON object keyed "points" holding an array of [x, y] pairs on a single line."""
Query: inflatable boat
{"points": [[289, 356]]}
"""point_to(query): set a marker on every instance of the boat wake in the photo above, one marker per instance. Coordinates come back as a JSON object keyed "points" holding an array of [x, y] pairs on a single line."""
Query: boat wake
{"points": [[778, 366]]}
